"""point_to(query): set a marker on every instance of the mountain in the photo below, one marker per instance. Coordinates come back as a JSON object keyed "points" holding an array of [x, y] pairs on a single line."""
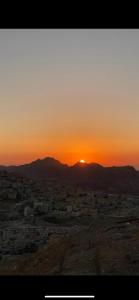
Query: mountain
{"points": [[83, 173], [48, 161], [93, 175], [41, 168], [3, 168], [86, 165]]}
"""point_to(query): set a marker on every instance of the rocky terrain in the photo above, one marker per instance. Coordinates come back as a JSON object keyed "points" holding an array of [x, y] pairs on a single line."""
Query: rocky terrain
{"points": [[52, 227]]}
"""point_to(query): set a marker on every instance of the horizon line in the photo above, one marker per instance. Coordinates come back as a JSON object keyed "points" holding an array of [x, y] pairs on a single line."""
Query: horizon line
{"points": [[93, 162]]}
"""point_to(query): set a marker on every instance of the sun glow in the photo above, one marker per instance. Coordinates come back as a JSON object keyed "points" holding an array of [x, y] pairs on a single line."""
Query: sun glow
{"points": [[82, 161]]}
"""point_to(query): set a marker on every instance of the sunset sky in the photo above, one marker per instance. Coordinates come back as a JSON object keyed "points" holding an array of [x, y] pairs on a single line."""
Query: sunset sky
{"points": [[69, 94]]}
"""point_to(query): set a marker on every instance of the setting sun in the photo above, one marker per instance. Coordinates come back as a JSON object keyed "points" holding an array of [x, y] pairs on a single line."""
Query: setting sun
{"points": [[82, 161]]}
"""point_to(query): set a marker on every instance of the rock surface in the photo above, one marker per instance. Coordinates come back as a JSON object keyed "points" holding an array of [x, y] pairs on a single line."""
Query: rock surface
{"points": [[51, 228]]}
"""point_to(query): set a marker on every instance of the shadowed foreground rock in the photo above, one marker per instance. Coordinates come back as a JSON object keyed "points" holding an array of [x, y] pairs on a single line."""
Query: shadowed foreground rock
{"points": [[51, 228], [109, 246]]}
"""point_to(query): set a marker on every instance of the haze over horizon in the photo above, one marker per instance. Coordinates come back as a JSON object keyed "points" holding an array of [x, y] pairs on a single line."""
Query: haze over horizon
{"points": [[72, 94]]}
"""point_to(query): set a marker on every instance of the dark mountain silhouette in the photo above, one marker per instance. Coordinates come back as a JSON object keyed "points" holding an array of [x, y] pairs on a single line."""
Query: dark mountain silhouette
{"points": [[41, 168], [86, 165], [93, 175], [121, 179], [3, 167]]}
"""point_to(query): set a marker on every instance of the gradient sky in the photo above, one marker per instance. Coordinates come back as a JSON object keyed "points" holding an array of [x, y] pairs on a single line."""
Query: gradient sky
{"points": [[70, 94]]}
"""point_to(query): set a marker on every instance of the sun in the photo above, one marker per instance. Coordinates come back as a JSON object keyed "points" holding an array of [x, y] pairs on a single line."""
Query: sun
{"points": [[82, 161]]}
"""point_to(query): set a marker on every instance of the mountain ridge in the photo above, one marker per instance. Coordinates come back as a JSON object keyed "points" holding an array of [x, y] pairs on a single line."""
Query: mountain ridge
{"points": [[92, 175], [52, 160]]}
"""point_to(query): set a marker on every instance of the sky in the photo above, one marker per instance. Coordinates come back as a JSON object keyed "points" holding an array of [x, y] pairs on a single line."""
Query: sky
{"points": [[70, 94]]}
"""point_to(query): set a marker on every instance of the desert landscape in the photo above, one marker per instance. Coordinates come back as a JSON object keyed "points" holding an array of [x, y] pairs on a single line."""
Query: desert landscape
{"points": [[59, 226], [69, 151]]}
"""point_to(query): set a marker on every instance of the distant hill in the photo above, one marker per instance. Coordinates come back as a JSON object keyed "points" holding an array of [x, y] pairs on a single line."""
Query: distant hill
{"points": [[3, 168], [123, 179], [41, 168]]}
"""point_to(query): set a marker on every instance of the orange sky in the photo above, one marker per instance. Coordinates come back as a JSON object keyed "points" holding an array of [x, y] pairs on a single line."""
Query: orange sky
{"points": [[69, 94]]}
